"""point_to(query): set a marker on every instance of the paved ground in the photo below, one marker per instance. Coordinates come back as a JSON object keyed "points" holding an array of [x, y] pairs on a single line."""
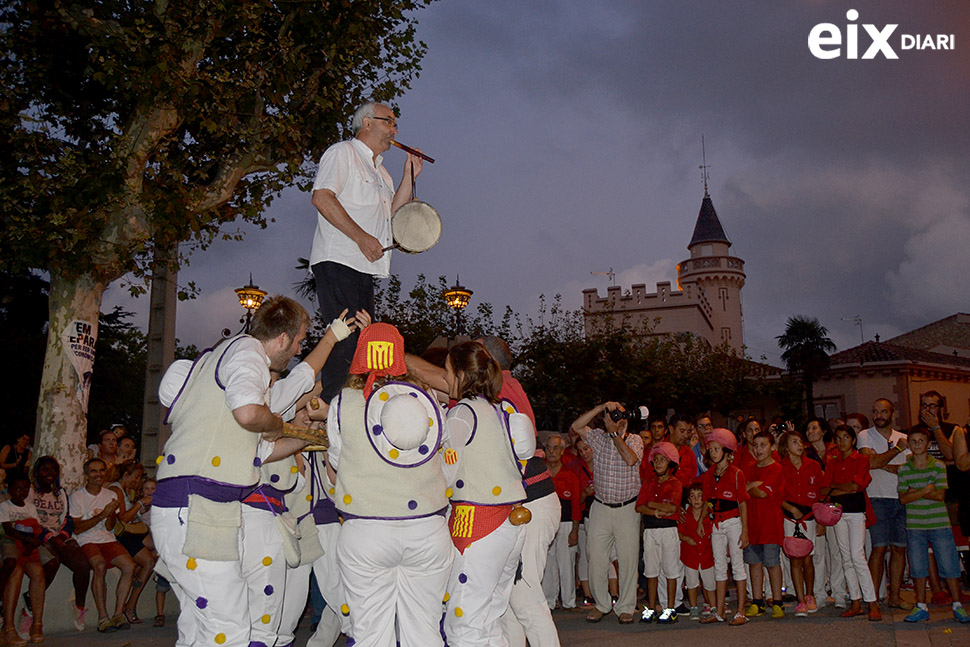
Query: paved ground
{"points": [[823, 629]]}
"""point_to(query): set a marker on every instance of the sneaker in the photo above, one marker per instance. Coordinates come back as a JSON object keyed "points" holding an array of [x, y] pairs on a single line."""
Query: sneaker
{"points": [[754, 610], [24, 620], [801, 611], [706, 610], [960, 615], [695, 613], [105, 626], [917, 615], [79, 617], [682, 608], [777, 611], [810, 604], [667, 617], [648, 615]]}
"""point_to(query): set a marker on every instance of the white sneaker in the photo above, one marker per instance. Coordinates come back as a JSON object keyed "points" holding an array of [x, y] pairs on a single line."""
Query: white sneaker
{"points": [[24, 620], [78, 617]]}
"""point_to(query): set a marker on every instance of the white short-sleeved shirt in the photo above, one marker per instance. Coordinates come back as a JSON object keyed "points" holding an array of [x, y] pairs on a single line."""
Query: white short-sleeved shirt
{"points": [[51, 508], [243, 371], [366, 191], [10, 511], [85, 505], [883, 485]]}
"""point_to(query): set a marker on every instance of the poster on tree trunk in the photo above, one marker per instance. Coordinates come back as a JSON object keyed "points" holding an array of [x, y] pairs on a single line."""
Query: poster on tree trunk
{"points": [[79, 338]]}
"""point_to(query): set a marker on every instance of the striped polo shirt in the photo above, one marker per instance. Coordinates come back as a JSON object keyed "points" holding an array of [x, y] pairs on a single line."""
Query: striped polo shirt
{"points": [[924, 514]]}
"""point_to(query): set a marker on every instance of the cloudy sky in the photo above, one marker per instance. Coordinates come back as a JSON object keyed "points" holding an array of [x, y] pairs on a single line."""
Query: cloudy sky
{"points": [[568, 139]]}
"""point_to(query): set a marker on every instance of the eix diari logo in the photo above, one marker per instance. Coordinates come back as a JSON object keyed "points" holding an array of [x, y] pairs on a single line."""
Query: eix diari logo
{"points": [[825, 41]]}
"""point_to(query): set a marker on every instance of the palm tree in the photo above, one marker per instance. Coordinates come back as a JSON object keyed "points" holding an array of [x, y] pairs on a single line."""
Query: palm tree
{"points": [[807, 346]]}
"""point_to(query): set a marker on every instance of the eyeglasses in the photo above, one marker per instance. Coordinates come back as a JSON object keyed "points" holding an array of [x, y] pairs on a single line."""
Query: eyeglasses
{"points": [[928, 405], [392, 122]]}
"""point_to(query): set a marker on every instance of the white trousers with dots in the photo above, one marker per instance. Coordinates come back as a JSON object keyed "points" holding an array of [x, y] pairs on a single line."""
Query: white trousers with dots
{"points": [[213, 596], [332, 621], [264, 568], [395, 572], [479, 588]]}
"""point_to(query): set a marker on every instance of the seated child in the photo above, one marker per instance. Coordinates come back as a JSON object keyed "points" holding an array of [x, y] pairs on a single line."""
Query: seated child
{"points": [[19, 519]]}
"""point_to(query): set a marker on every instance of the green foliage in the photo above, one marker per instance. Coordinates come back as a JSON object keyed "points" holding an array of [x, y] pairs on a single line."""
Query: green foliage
{"points": [[807, 346], [23, 328], [118, 382], [124, 123]]}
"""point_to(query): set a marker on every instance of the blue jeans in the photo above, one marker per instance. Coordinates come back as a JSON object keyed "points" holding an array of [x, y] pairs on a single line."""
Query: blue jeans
{"points": [[944, 548], [890, 526]]}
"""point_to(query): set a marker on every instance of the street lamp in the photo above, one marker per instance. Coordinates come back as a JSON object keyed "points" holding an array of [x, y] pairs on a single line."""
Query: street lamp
{"points": [[250, 297], [457, 298]]}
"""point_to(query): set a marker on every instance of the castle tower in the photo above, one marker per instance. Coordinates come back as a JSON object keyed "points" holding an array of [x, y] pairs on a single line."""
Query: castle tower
{"points": [[713, 278]]}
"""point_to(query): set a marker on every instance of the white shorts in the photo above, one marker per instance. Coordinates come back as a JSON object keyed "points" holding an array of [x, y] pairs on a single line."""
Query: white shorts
{"points": [[693, 578], [661, 546]]}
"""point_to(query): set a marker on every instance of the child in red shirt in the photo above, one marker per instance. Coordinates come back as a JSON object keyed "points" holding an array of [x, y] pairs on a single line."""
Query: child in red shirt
{"points": [[765, 527], [803, 479], [696, 553], [724, 489], [659, 503]]}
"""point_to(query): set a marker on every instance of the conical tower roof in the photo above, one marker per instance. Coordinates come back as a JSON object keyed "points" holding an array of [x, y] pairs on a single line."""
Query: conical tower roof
{"points": [[708, 228]]}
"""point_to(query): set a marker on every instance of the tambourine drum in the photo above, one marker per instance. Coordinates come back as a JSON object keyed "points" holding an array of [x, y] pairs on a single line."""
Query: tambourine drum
{"points": [[416, 227]]}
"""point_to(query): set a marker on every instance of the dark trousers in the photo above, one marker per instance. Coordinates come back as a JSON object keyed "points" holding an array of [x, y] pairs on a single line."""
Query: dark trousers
{"points": [[340, 287]]}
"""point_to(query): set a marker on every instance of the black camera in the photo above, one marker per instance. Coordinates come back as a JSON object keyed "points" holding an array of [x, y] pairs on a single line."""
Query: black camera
{"points": [[640, 413]]}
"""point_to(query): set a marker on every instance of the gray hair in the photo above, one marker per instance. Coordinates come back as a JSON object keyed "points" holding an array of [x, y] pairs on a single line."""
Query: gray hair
{"points": [[499, 350], [366, 110]]}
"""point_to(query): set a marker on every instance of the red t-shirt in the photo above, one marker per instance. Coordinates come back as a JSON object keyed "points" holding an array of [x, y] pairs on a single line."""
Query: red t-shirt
{"points": [[729, 487], [765, 524], [745, 460], [687, 469], [700, 556], [802, 485], [570, 494], [853, 468], [653, 491]]}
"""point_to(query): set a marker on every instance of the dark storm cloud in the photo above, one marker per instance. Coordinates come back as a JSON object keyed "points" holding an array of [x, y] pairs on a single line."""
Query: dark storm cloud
{"points": [[568, 139]]}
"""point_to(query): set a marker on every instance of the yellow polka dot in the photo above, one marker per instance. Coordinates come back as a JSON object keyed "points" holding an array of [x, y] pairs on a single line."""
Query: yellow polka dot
{"points": [[431, 422], [393, 453], [523, 463], [331, 491], [220, 638], [496, 490], [158, 461], [294, 469], [509, 410], [344, 609], [383, 396], [215, 461], [267, 560], [309, 497], [459, 612], [449, 492], [191, 564], [347, 499], [265, 619], [447, 597]]}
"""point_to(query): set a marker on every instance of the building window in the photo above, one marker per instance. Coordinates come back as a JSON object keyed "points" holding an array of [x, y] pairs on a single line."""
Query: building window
{"points": [[722, 294], [725, 334]]}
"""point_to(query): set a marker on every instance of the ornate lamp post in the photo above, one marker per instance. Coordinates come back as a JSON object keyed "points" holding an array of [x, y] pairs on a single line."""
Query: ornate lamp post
{"points": [[457, 298], [250, 297]]}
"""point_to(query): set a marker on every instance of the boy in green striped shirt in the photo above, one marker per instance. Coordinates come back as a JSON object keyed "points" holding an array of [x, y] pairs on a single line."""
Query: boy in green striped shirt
{"points": [[922, 485]]}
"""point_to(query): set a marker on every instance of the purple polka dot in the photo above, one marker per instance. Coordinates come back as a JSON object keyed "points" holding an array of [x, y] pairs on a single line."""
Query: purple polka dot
{"points": [[412, 504], [274, 478], [323, 462], [462, 578], [413, 395], [268, 590], [257, 462], [459, 483], [377, 430], [170, 458], [201, 602], [423, 449]]}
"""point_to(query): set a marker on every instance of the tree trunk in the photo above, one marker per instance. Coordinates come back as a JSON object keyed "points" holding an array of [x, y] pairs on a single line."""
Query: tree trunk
{"points": [[62, 411]]}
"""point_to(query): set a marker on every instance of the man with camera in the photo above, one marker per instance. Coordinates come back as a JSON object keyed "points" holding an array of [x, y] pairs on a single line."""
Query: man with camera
{"points": [[613, 517]]}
